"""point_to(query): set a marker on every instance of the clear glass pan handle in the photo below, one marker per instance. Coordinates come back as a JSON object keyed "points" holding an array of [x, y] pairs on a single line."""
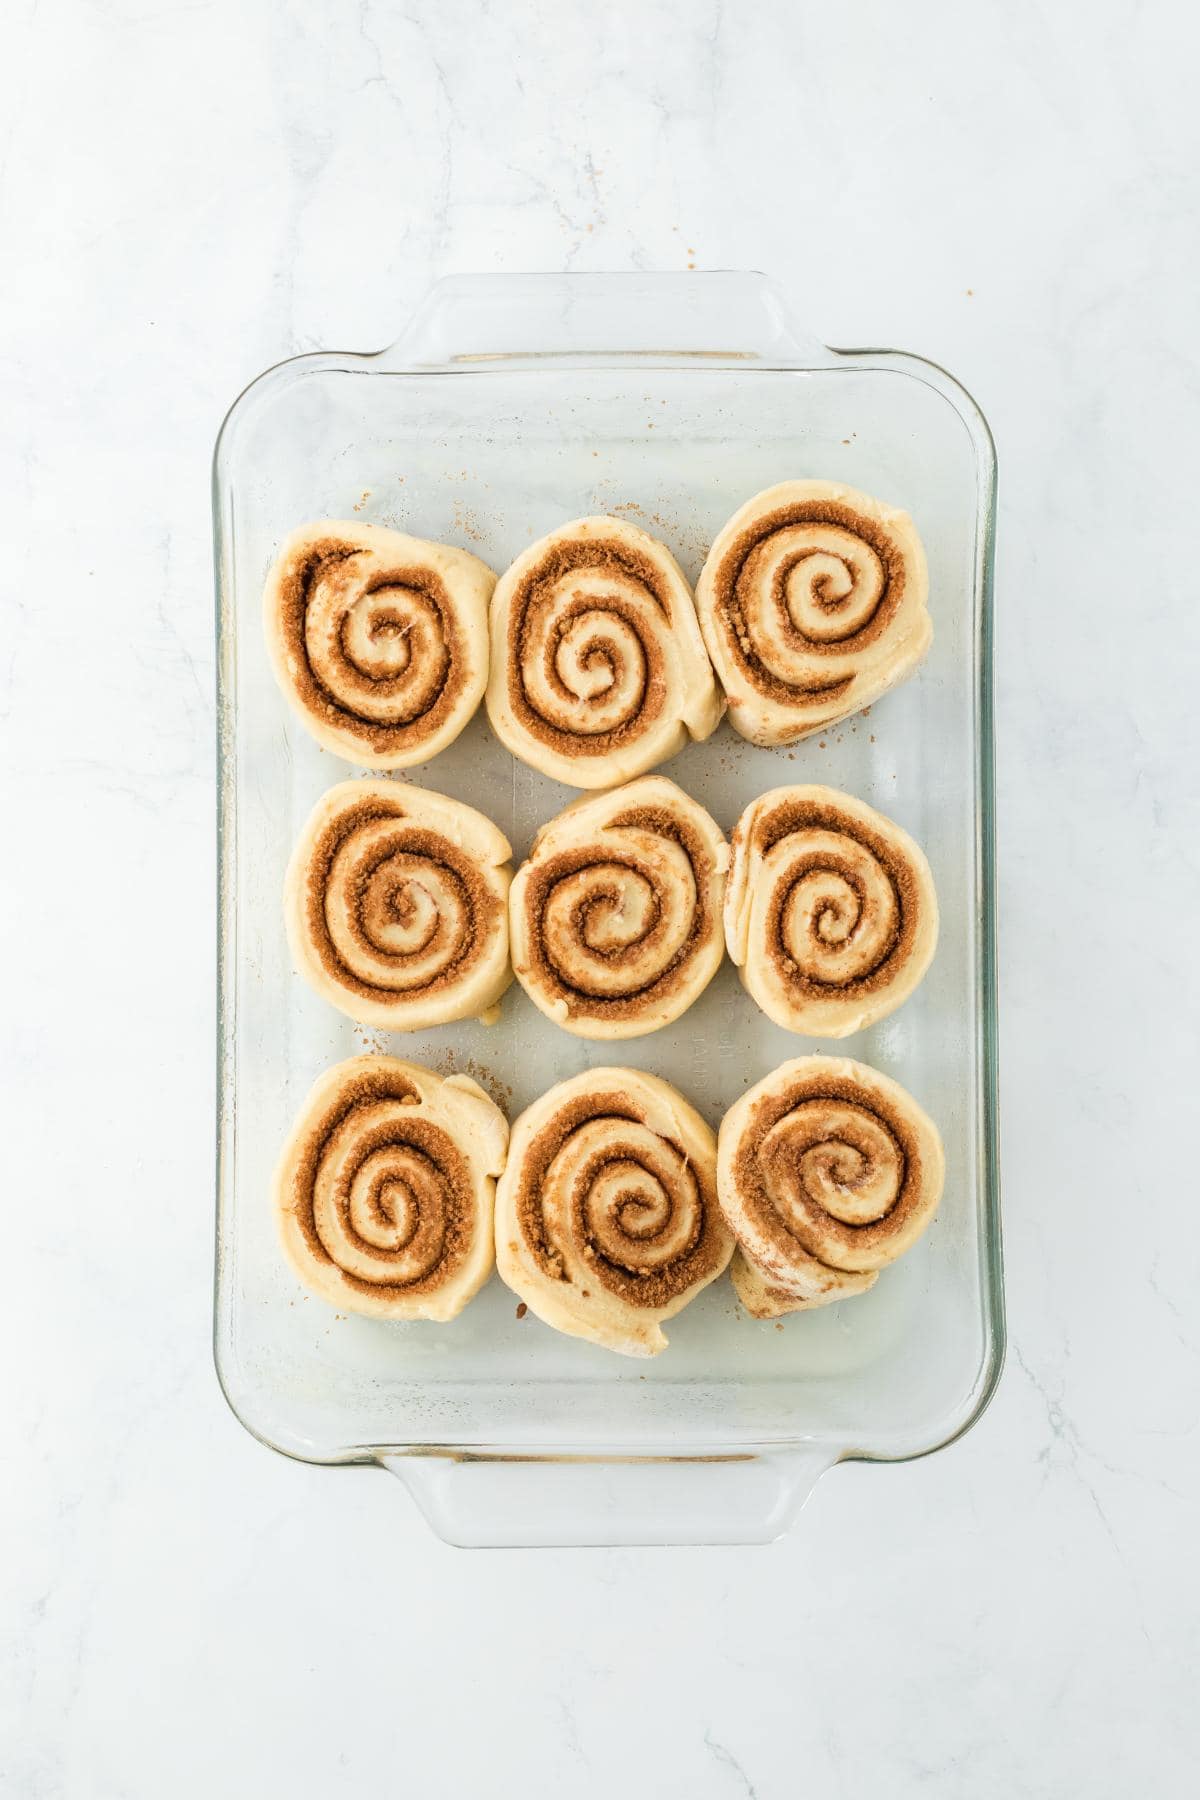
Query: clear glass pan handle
{"points": [[724, 316], [478, 1501]]}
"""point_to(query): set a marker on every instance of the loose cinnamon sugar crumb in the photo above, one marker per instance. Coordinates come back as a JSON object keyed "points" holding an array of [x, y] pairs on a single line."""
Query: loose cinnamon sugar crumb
{"points": [[499, 1092], [522, 1309], [466, 523]]}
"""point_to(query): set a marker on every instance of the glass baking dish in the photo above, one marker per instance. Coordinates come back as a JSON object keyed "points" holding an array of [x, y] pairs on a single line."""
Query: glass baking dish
{"points": [[508, 405]]}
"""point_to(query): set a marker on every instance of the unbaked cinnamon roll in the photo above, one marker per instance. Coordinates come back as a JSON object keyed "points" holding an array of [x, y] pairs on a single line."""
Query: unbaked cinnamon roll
{"points": [[812, 603], [830, 910], [385, 1190], [827, 1171], [607, 1219], [615, 919], [598, 669], [396, 905], [380, 641]]}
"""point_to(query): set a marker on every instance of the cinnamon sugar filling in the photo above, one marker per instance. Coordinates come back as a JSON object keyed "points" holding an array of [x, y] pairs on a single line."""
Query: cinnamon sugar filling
{"points": [[626, 565], [730, 597], [753, 1173], [795, 817], [441, 1197], [436, 689], [652, 1287], [410, 850], [544, 878]]}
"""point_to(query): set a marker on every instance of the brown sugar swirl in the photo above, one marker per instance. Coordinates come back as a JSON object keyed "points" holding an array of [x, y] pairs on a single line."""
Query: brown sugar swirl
{"points": [[379, 640], [813, 602], [830, 910], [396, 905], [598, 670], [615, 920], [827, 1171], [607, 1219], [385, 1190]]}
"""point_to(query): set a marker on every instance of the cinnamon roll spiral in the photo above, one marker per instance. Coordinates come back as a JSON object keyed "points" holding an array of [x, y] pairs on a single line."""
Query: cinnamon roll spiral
{"points": [[616, 917], [830, 910], [385, 1190], [396, 905], [827, 1171], [812, 603], [379, 640], [598, 668], [607, 1219]]}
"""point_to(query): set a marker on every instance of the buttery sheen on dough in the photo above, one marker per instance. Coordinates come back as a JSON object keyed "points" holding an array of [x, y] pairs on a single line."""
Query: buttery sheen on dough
{"points": [[379, 640], [830, 910], [813, 602], [615, 920], [396, 905], [598, 670], [827, 1171], [385, 1190], [607, 1219]]}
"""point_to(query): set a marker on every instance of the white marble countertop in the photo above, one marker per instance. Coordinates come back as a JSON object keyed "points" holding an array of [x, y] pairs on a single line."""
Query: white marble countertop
{"points": [[192, 192]]}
